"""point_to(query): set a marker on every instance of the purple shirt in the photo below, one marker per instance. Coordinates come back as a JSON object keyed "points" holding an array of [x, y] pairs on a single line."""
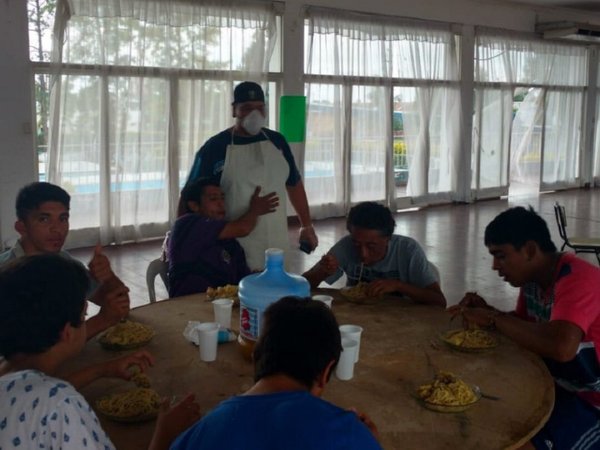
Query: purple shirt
{"points": [[198, 259]]}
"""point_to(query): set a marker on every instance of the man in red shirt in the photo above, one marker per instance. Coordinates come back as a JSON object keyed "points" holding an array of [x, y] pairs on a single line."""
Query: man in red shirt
{"points": [[557, 316]]}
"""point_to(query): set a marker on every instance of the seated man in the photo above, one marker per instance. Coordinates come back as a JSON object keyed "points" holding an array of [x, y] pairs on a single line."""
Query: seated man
{"points": [[42, 325], [557, 316], [202, 250], [390, 263], [283, 409], [43, 223]]}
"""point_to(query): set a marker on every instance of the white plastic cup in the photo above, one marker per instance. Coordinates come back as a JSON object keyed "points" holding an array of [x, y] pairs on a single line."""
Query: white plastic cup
{"points": [[222, 308], [208, 339], [345, 368], [352, 332], [327, 299]]}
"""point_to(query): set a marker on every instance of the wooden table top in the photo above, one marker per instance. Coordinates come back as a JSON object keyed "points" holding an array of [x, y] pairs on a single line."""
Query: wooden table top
{"points": [[400, 350]]}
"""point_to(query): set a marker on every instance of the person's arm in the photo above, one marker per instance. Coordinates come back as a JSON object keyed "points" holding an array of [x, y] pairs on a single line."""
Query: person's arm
{"points": [[557, 339], [115, 306], [115, 368], [327, 266], [428, 295], [174, 420], [297, 196], [246, 223]]}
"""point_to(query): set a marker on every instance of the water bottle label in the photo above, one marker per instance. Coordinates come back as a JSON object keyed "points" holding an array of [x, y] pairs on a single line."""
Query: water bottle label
{"points": [[249, 322]]}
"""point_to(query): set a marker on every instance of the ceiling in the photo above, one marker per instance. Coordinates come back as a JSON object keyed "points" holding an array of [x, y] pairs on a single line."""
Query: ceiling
{"points": [[576, 5]]}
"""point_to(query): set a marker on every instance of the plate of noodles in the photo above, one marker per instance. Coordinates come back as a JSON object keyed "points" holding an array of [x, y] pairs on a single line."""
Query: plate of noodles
{"points": [[447, 393], [472, 341], [357, 293], [126, 336], [136, 405], [227, 291]]}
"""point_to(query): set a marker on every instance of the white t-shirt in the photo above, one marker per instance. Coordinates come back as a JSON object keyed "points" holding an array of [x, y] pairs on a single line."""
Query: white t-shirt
{"points": [[38, 411]]}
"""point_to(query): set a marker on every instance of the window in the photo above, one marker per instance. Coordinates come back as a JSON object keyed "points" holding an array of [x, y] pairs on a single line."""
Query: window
{"points": [[140, 85]]}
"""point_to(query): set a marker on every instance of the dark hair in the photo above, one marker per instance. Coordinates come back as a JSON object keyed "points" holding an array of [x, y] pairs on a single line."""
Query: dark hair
{"points": [[248, 91], [192, 192], [30, 197], [39, 295], [371, 216], [299, 337], [516, 226]]}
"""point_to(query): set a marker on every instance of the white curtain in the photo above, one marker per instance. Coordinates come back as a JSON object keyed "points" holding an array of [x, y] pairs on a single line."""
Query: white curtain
{"points": [[137, 87], [596, 169], [352, 63], [491, 139], [547, 114]]}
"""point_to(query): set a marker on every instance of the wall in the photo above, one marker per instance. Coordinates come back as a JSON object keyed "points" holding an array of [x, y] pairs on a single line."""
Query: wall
{"points": [[17, 159], [16, 138]]}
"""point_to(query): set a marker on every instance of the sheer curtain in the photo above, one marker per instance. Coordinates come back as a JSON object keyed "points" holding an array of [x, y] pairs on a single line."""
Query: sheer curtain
{"points": [[596, 169], [137, 86], [550, 80], [352, 64]]}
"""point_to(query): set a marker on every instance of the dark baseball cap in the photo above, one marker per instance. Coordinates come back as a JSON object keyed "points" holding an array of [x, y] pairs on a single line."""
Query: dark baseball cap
{"points": [[248, 91]]}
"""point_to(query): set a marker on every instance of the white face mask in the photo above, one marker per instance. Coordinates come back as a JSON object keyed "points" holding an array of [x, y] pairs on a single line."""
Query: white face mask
{"points": [[253, 122]]}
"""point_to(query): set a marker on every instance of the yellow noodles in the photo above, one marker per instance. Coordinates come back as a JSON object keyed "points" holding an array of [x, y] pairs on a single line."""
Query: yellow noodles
{"points": [[139, 402], [227, 291], [141, 380], [447, 390], [127, 333], [473, 338], [357, 291]]}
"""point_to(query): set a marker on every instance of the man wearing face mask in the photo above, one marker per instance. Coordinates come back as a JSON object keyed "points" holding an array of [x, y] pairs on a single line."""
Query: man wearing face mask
{"points": [[248, 155]]}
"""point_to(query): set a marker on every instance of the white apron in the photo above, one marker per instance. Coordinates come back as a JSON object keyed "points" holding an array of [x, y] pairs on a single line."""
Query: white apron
{"points": [[247, 166]]}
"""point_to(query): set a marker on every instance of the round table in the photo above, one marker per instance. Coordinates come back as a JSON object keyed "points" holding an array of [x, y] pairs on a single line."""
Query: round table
{"points": [[400, 349]]}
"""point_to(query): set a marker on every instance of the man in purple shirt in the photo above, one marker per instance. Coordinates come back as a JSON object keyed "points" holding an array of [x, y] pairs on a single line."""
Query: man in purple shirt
{"points": [[203, 251]]}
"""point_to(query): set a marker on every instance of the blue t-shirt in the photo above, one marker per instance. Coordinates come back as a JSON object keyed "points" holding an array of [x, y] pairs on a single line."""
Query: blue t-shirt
{"points": [[285, 420], [210, 159], [198, 259]]}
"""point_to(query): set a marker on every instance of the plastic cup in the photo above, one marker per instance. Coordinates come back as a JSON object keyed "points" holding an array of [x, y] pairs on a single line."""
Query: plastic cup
{"points": [[208, 339], [222, 308], [345, 368], [352, 332], [327, 299]]}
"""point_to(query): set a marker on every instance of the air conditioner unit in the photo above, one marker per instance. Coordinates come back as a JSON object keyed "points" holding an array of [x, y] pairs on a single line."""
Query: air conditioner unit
{"points": [[569, 30]]}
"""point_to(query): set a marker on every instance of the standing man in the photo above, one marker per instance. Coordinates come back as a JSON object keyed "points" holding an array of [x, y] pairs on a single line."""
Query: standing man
{"points": [[557, 317], [246, 156]]}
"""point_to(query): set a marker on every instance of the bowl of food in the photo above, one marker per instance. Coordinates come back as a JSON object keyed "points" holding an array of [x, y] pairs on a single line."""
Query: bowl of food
{"points": [[357, 293], [126, 335], [447, 393], [136, 405], [471, 341], [227, 291]]}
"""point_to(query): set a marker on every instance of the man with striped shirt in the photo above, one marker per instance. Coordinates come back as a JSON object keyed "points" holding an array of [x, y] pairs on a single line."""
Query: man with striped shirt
{"points": [[557, 316]]}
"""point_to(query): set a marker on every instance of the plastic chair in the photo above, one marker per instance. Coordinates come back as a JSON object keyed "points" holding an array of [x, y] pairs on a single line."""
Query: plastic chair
{"points": [[156, 267], [578, 244]]}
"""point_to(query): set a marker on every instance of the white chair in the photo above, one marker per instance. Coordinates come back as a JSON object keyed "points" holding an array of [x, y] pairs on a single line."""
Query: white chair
{"points": [[156, 267], [577, 243]]}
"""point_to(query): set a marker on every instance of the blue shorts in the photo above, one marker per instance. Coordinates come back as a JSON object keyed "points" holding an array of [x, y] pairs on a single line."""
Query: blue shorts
{"points": [[573, 425]]}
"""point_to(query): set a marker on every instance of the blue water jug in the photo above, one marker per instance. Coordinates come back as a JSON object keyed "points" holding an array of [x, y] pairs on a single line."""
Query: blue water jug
{"points": [[259, 290]]}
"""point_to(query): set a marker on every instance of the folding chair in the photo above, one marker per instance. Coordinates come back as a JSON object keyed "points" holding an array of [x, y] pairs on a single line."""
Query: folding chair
{"points": [[156, 267], [578, 244]]}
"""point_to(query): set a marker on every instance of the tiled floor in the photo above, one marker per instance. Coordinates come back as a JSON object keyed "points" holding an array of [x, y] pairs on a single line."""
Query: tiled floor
{"points": [[452, 236]]}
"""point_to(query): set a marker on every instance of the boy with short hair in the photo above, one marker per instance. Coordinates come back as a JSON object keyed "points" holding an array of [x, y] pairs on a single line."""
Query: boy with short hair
{"points": [[203, 250], [43, 225], [42, 325], [557, 316], [298, 349], [372, 253]]}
